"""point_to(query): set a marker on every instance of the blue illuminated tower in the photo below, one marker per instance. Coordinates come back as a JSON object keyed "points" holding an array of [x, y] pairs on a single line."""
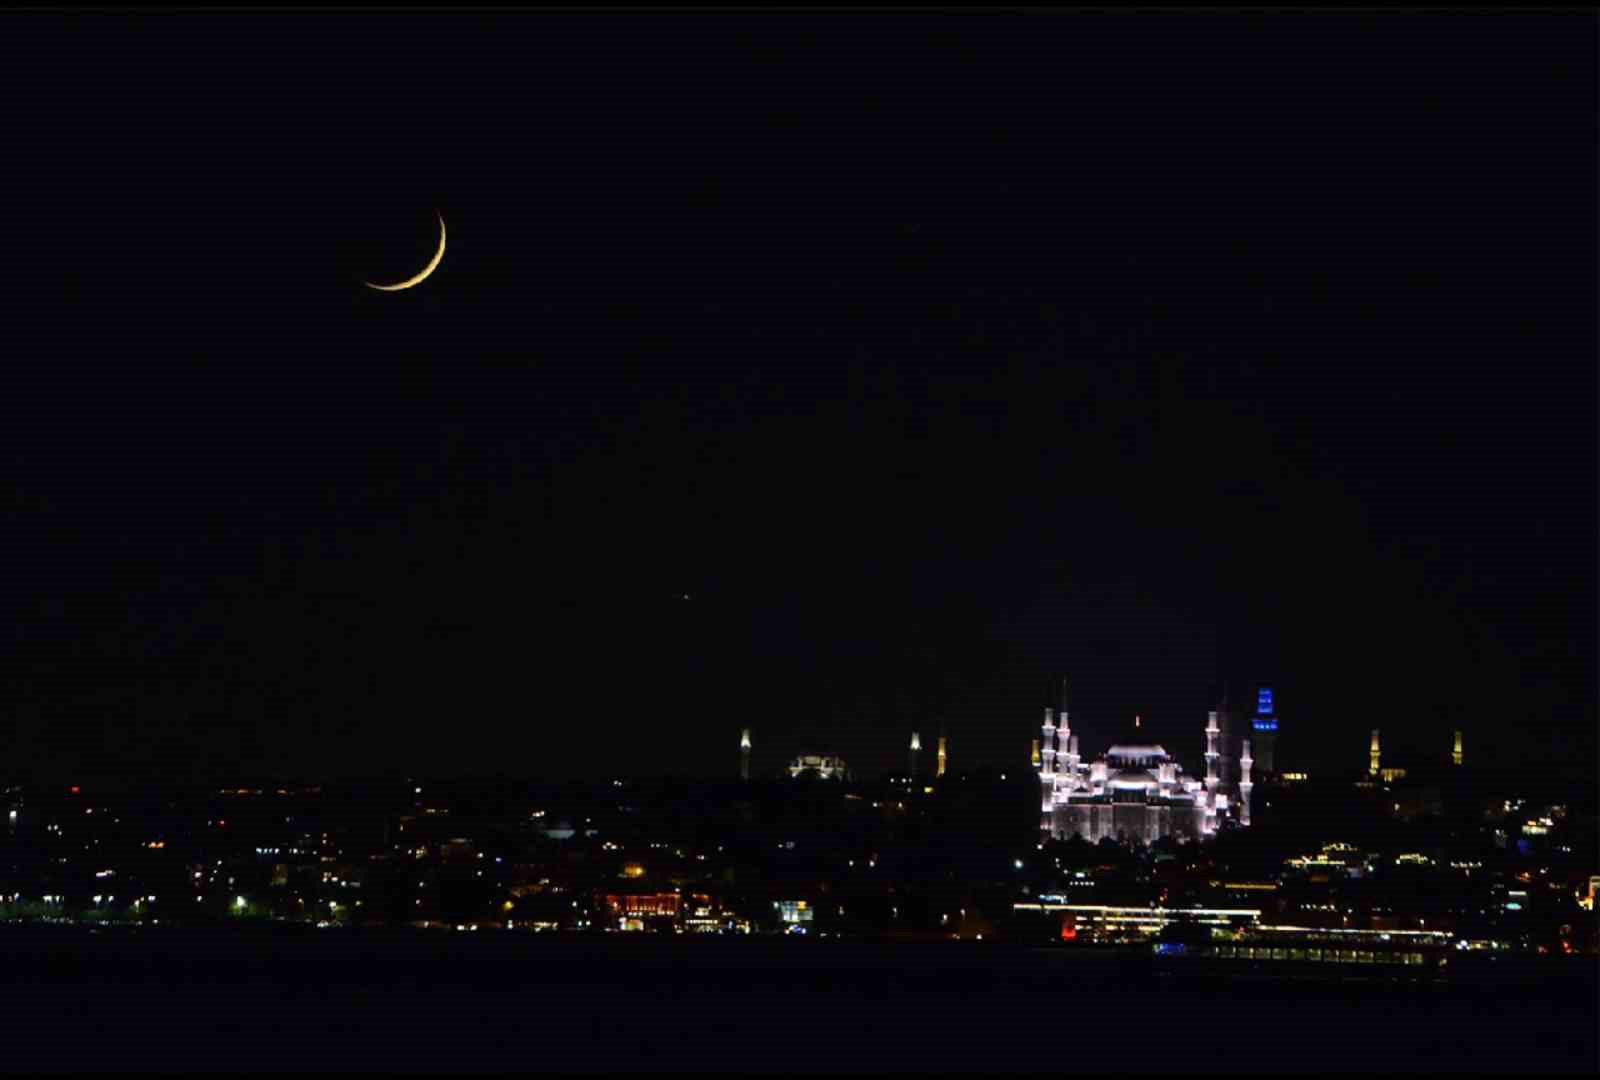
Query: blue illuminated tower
{"points": [[1264, 731]]}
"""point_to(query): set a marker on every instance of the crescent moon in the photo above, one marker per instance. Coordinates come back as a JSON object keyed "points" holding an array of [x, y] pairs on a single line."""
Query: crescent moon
{"points": [[433, 264]]}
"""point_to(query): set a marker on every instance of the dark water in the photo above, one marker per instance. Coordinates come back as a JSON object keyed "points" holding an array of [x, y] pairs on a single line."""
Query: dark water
{"points": [[395, 1001]]}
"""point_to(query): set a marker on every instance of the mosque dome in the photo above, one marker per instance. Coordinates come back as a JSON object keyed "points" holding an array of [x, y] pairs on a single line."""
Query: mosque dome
{"points": [[1132, 779], [1136, 751]]}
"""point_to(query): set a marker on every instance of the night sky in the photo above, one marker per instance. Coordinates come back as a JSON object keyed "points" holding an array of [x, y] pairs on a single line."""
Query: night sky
{"points": [[834, 377]]}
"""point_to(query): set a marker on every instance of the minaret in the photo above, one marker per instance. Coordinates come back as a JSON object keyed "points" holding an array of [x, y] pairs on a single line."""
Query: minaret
{"points": [[1035, 758], [916, 752], [1067, 763], [744, 754], [1213, 733], [1455, 755], [1047, 775], [941, 757], [1244, 785], [1374, 753]]}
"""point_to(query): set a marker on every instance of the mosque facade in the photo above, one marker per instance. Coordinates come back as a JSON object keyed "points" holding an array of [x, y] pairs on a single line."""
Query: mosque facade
{"points": [[1135, 791]]}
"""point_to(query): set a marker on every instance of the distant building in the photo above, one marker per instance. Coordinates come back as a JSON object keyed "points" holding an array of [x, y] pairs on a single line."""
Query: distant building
{"points": [[823, 766], [638, 911], [1264, 729], [794, 912], [1136, 791]]}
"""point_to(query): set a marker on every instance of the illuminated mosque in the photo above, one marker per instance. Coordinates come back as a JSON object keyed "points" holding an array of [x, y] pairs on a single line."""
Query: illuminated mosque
{"points": [[1135, 791]]}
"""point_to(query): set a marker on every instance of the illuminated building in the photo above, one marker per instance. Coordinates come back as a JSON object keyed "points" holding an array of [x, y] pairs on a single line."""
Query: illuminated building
{"points": [[824, 766], [942, 759], [1265, 729], [1374, 754], [794, 912], [1334, 859], [916, 751], [1455, 754], [635, 911], [1136, 791], [1389, 776], [701, 915], [744, 755]]}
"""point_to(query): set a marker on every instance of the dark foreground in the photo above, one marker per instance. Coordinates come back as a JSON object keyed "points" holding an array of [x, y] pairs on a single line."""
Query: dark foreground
{"points": [[397, 1001]]}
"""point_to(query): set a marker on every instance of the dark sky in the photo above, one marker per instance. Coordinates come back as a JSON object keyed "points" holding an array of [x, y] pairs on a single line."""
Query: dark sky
{"points": [[829, 376]]}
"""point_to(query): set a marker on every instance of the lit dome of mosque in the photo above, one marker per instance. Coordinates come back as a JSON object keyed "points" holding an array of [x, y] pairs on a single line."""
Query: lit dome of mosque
{"points": [[1136, 751], [1133, 780], [1136, 754]]}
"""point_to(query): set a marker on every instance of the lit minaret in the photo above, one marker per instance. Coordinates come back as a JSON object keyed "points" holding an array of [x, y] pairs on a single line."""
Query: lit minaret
{"points": [[1374, 752], [1035, 758], [1455, 755], [744, 754], [1067, 764], [1047, 774], [941, 757], [1213, 733], [1244, 785], [916, 752]]}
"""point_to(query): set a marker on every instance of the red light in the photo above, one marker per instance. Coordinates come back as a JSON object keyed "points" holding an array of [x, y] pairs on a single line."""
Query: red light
{"points": [[75, 789], [1068, 932]]}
